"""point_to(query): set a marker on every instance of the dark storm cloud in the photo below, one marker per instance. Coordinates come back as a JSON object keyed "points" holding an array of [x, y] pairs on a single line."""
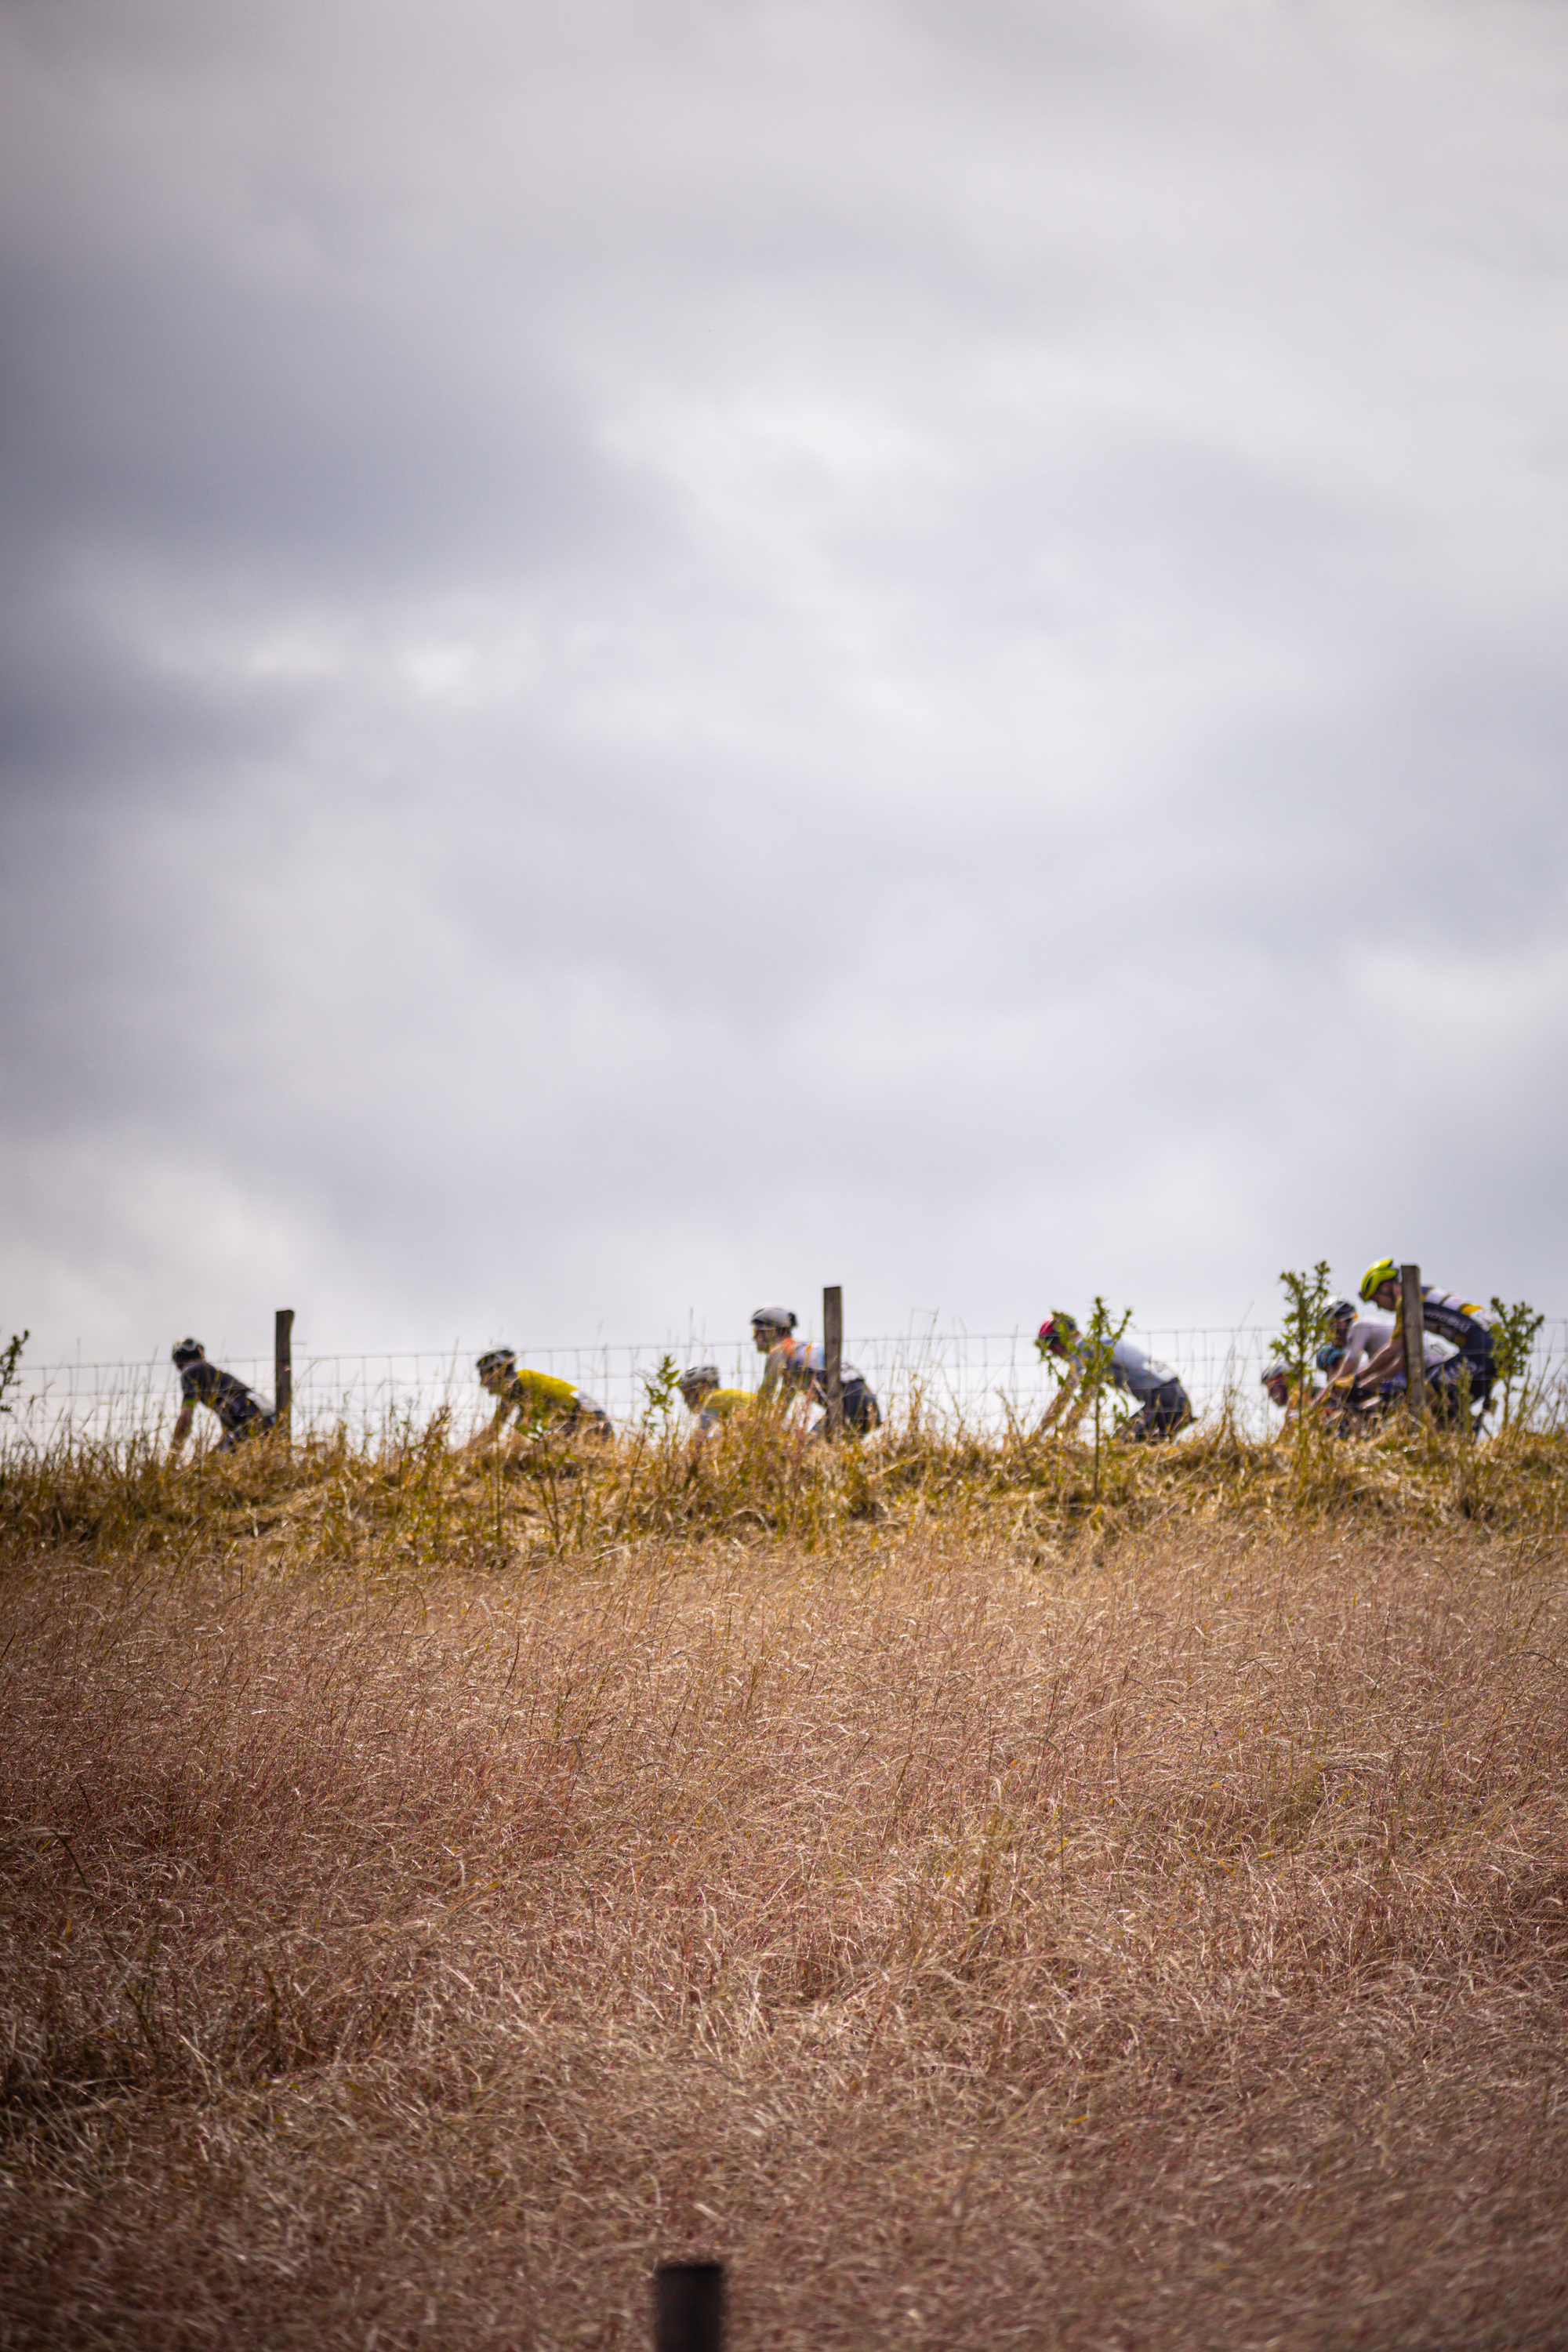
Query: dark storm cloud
{"points": [[645, 648], [290, 435]]}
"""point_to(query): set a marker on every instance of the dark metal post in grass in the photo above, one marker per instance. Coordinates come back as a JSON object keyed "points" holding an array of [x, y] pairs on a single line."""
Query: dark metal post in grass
{"points": [[283, 1370], [689, 2308], [833, 1358], [1412, 1315]]}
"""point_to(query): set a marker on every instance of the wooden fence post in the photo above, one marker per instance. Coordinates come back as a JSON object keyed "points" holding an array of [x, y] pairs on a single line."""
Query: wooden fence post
{"points": [[689, 2308], [833, 1358], [1412, 1315], [283, 1371]]}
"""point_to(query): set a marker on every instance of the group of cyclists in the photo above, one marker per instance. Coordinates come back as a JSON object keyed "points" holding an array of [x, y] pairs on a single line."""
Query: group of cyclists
{"points": [[1364, 1366], [1362, 1362], [527, 1402], [793, 1371]]}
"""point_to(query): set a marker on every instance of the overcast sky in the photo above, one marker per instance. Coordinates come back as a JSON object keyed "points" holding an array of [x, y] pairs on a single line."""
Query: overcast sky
{"points": [[659, 651]]}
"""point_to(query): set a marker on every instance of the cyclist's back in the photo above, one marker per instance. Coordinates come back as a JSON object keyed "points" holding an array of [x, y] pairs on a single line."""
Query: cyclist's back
{"points": [[794, 1366], [240, 1412]]}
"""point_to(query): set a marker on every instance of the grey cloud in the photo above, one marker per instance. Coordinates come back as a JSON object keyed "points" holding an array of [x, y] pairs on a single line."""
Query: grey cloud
{"points": [[300, 437], [684, 642]]}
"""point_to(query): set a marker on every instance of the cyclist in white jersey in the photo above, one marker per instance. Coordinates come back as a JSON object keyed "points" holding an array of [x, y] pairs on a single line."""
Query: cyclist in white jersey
{"points": [[1357, 1342], [1163, 1404]]}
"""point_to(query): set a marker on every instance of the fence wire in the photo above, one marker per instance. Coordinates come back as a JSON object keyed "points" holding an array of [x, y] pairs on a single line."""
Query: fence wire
{"points": [[982, 1381]]}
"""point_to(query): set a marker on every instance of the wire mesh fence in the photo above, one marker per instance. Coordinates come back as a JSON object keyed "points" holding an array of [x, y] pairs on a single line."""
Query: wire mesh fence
{"points": [[983, 1381]]}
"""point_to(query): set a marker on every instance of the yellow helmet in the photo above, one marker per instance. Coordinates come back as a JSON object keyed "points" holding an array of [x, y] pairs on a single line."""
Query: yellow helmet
{"points": [[1376, 1276]]}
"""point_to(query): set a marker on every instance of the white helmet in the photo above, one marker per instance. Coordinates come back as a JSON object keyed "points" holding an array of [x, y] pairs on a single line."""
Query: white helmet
{"points": [[773, 1319]]}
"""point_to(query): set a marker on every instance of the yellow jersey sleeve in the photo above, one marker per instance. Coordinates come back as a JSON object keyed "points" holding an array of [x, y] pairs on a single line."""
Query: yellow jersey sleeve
{"points": [[539, 1396], [724, 1404]]}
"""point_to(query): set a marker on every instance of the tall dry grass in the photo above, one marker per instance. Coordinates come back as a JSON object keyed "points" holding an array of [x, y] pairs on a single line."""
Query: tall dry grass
{"points": [[980, 1922], [407, 1497]]}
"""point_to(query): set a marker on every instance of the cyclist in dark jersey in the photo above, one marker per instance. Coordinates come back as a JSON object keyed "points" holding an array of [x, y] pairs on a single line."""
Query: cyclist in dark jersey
{"points": [[241, 1413], [1462, 1322], [796, 1368]]}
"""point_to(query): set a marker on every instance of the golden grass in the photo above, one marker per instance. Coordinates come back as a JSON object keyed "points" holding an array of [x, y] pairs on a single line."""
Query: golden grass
{"points": [[975, 1930]]}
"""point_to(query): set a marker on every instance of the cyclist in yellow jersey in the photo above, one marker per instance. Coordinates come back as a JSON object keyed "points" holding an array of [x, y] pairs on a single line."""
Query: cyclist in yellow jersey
{"points": [[538, 1400], [710, 1405]]}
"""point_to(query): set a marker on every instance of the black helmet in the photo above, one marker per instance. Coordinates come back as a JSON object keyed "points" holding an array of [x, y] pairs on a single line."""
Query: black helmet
{"points": [[700, 1378], [773, 1319], [187, 1351], [496, 1359]]}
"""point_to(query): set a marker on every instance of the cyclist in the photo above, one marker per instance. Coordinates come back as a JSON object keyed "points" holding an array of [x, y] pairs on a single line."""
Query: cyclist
{"points": [[241, 1414], [538, 1400], [1466, 1326], [1341, 1398], [710, 1405], [1285, 1393], [1164, 1405], [796, 1368], [1349, 1357], [1340, 1314]]}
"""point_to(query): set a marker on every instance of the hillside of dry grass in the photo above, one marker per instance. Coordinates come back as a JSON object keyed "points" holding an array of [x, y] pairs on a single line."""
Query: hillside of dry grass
{"points": [[408, 1500], [980, 1913]]}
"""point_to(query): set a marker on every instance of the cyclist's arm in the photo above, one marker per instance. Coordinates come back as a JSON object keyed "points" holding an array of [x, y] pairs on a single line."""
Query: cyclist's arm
{"points": [[1361, 1364], [1062, 1398], [1343, 1378], [1387, 1361], [182, 1427], [487, 1437]]}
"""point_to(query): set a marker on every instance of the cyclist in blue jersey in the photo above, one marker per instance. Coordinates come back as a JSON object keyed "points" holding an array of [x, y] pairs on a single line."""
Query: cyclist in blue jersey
{"points": [[1164, 1406], [796, 1368], [241, 1414]]}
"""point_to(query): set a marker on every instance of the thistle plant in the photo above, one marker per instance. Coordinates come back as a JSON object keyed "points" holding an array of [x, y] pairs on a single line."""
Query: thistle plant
{"points": [[1093, 1357], [1305, 1328], [661, 1387], [1099, 1356], [10, 1356], [1514, 1336]]}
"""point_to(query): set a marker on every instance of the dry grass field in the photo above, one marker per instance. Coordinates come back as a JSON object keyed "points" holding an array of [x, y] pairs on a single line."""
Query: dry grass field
{"points": [[982, 1917]]}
